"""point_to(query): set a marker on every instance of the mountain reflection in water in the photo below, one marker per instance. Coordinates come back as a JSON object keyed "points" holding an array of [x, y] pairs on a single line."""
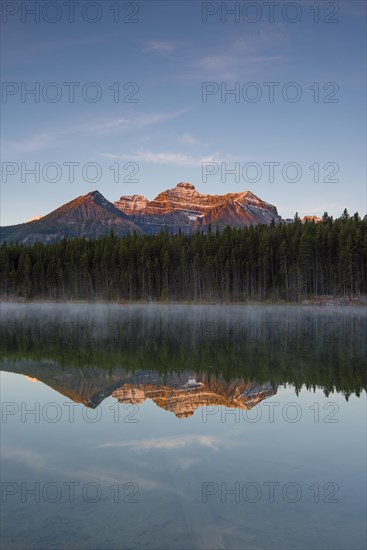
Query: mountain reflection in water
{"points": [[183, 401], [176, 399], [90, 351], [179, 393]]}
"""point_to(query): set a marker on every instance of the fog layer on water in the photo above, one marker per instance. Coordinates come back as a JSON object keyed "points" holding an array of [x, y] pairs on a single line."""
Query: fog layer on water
{"points": [[315, 346]]}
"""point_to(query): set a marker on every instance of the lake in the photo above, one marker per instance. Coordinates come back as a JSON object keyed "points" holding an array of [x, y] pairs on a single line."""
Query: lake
{"points": [[183, 427]]}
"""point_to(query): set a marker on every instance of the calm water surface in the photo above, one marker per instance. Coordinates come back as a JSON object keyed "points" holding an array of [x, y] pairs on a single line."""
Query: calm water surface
{"points": [[183, 427]]}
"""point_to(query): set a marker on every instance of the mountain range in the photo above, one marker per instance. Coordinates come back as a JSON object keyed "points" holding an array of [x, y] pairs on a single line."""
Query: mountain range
{"points": [[181, 209], [179, 393]]}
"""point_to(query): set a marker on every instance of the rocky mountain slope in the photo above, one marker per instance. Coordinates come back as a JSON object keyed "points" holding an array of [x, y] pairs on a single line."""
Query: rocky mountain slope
{"points": [[183, 208], [180, 209], [89, 216]]}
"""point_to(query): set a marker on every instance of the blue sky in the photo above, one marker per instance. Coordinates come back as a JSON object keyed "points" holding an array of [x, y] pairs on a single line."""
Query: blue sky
{"points": [[167, 134]]}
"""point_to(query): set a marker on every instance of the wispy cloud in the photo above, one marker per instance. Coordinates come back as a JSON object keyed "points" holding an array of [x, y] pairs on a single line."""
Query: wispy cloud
{"points": [[137, 122], [45, 464], [37, 142], [186, 463], [167, 443], [50, 139], [28, 457], [224, 66], [189, 139], [159, 46], [239, 56], [168, 158], [221, 62], [29, 46]]}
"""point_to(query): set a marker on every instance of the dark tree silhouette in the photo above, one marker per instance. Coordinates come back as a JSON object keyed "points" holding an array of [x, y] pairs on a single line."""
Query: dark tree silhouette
{"points": [[284, 262]]}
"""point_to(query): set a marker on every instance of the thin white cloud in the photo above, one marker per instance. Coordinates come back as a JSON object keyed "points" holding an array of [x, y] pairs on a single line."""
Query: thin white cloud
{"points": [[28, 457], [239, 57], [137, 122], [159, 46], [46, 463], [37, 142], [186, 463], [51, 139], [224, 66], [189, 139], [24, 49], [167, 158], [221, 62], [168, 443]]}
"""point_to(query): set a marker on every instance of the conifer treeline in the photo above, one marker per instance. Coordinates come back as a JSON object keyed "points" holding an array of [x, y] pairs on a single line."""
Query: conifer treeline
{"points": [[288, 261]]}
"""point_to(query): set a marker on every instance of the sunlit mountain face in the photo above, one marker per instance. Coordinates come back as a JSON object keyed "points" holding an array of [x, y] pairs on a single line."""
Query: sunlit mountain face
{"points": [[184, 208], [181, 209]]}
